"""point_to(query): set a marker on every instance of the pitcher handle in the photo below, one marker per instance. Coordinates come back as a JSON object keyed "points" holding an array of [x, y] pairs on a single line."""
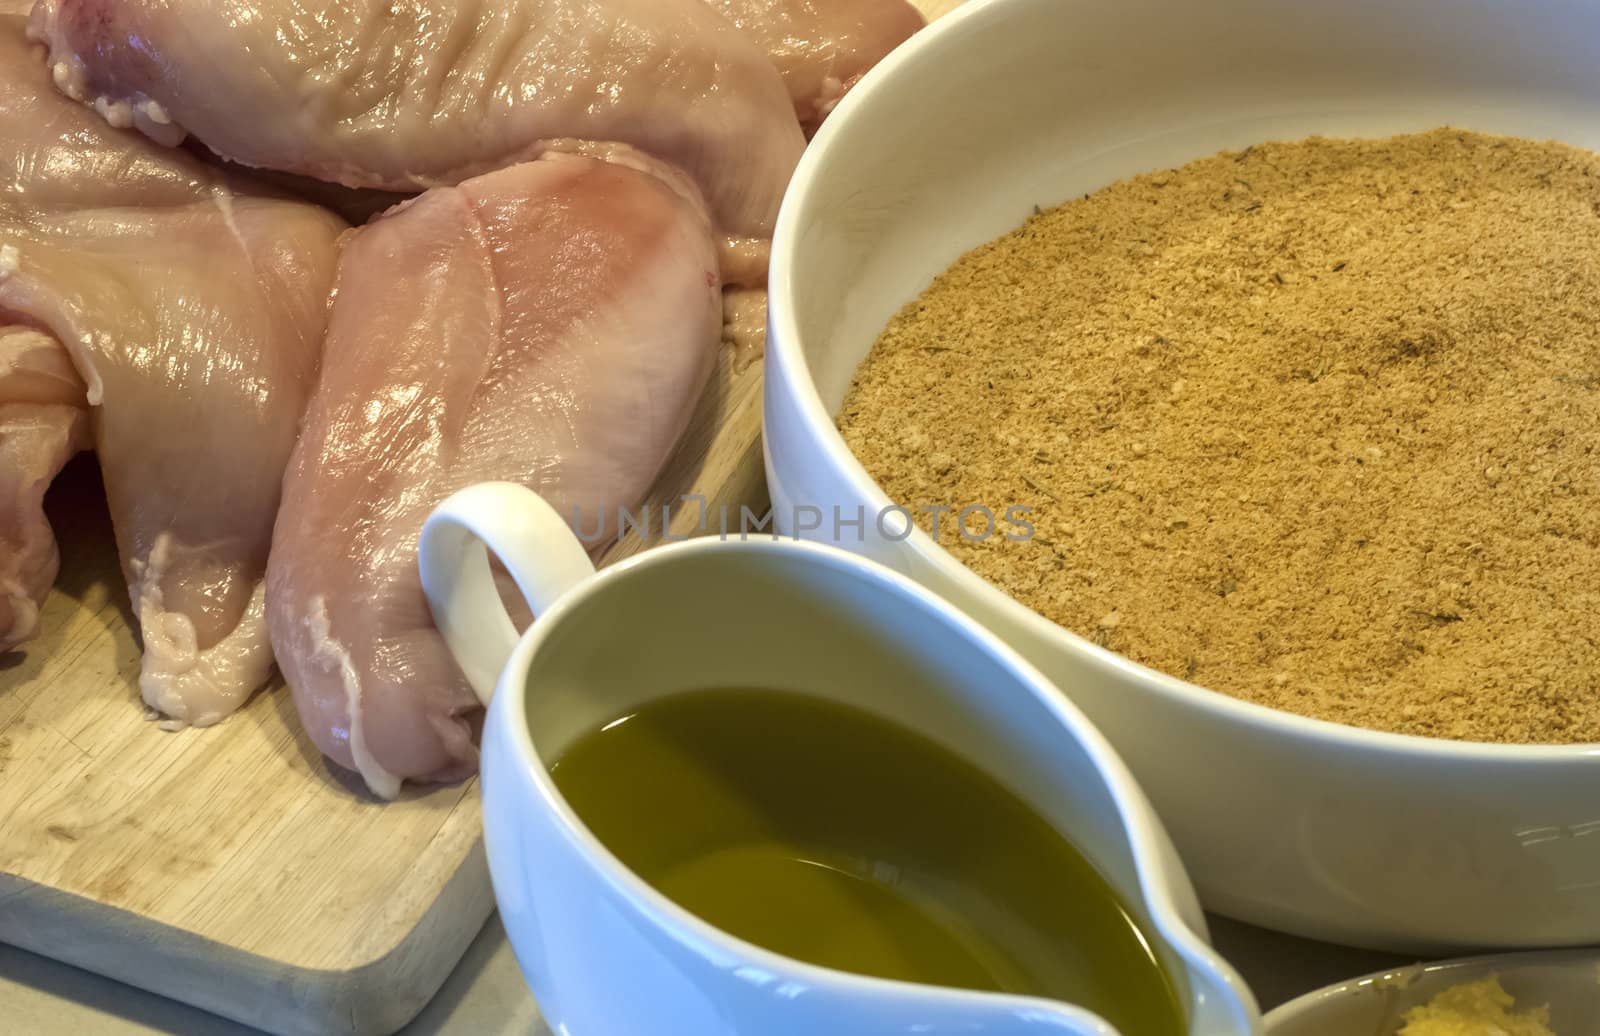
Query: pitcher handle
{"points": [[531, 540]]}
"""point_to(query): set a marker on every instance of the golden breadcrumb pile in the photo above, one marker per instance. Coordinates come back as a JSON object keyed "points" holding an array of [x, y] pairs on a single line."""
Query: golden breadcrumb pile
{"points": [[1316, 424], [1480, 1008]]}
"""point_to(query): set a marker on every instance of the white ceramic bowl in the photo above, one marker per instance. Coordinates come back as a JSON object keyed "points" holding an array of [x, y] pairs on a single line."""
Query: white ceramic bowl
{"points": [[1309, 827], [1565, 981]]}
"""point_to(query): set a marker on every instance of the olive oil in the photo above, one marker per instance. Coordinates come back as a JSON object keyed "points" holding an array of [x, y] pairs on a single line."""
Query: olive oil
{"points": [[830, 835]]}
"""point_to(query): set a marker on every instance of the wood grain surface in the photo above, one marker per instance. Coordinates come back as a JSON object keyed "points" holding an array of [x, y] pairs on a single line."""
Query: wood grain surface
{"points": [[233, 868]]}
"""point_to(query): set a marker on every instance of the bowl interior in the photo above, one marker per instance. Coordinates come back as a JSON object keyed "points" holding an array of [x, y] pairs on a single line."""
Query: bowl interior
{"points": [[1008, 104]]}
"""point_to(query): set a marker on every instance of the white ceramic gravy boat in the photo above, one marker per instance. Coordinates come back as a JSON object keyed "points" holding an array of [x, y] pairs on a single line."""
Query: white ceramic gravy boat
{"points": [[607, 955]]}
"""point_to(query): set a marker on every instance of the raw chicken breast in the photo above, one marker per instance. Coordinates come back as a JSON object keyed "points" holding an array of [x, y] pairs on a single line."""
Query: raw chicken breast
{"points": [[822, 47], [43, 422], [409, 94], [551, 324], [194, 315]]}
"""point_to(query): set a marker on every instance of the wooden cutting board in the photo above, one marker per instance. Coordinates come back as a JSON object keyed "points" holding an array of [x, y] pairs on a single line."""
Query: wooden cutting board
{"points": [[233, 868]]}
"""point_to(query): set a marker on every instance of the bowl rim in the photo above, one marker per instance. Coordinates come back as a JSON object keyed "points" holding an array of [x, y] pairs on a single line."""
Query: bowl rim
{"points": [[788, 372]]}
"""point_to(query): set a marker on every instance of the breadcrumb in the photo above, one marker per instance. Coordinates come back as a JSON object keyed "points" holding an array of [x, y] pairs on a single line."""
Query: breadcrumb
{"points": [[1318, 423], [1481, 1008]]}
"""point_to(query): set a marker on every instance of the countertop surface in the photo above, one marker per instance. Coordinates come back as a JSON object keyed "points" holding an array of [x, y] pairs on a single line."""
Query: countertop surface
{"points": [[486, 997]]}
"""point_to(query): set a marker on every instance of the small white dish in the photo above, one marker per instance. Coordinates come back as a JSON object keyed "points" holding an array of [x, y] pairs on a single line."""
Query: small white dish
{"points": [[1568, 981]]}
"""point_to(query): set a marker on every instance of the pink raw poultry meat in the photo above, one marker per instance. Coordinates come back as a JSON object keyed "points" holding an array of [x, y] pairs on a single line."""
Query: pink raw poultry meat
{"points": [[410, 94], [821, 47], [193, 312], [552, 324], [43, 422]]}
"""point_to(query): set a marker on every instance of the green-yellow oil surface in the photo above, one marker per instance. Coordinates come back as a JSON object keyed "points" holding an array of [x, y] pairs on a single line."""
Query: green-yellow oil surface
{"points": [[829, 835]]}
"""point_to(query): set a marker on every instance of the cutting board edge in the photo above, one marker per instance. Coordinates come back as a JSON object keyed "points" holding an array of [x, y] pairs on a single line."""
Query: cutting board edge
{"points": [[272, 995]]}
